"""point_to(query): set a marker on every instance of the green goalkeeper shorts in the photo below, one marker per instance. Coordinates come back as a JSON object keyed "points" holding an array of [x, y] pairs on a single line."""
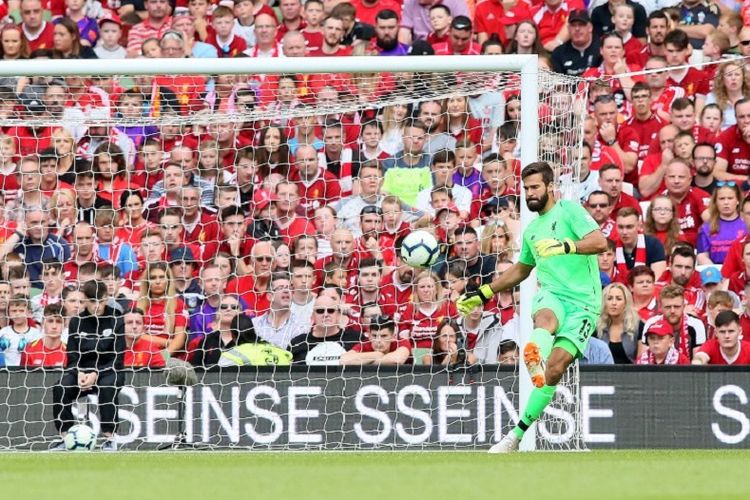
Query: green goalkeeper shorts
{"points": [[575, 323]]}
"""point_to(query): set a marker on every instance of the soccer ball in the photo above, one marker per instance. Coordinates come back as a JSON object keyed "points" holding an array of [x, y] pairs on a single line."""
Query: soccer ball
{"points": [[80, 438], [420, 249]]}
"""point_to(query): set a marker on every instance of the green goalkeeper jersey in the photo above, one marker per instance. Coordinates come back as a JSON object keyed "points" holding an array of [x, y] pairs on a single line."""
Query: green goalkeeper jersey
{"points": [[573, 278]]}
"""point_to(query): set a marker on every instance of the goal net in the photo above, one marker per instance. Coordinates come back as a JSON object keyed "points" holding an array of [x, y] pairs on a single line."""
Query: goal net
{"points": [[245, 217]]}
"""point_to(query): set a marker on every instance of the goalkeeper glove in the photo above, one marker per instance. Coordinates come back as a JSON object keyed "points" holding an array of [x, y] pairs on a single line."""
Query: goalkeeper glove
{"points": [[471, 300], [550, 247]]}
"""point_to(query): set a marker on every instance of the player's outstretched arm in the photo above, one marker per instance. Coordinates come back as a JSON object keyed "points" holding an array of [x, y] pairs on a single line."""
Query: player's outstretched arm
{"points": [[592, 243], [510, 278]]}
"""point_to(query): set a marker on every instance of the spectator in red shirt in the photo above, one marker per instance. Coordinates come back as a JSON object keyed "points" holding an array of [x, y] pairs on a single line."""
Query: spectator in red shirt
{"points": [[226, 42], [317, 186], [420, 321], [693, 81], [165, 314], [460, 41], [681, 272], [382, 348], [623, 141], [657, 28], [290, 225], [651, 178], [661, 349], [599, 206], [367, 10], [733, 146], [139, 352], [36, 30], [549, 16], [48, 351], [610, 180], [291, 17], [726, 348], [440, 20], [645, 123], [641, 281], [333, 32], [692, 202]]}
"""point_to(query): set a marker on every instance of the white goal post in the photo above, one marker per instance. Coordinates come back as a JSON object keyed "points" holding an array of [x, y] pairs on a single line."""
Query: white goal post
{"points": [[530, 115]]}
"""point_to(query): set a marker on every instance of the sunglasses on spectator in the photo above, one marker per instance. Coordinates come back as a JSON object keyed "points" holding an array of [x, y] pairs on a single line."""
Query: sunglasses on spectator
{"points": [[726, 184], [226, 307], [323, 310], [598, 205], [745, 42], [263, 258]]}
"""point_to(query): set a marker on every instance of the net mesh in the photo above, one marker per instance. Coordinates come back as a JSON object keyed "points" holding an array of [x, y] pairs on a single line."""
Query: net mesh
{"points": [[187, 198]]}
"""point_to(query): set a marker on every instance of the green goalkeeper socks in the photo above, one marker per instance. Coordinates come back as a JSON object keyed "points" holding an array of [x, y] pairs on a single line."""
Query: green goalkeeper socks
{"points": [[543, 338], [538, 401]]}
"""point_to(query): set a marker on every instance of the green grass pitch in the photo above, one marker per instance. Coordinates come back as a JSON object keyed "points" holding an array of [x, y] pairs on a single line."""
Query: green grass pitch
{"points": [[383, 475]]}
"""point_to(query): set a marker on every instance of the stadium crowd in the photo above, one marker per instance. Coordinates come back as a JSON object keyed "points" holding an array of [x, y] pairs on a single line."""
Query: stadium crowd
{"points": [[278, 241]]}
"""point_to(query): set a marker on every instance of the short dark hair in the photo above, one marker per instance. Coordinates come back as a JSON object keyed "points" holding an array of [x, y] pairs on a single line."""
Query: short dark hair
{"points": [[386, 14], [685, 251], [539, 167], [55, 309], [640, 271], [231, 211], [640, 86], [678, 38], [382, 322], [703, 145], [682, 103], [95, 290], [658, 14], [725, 318]]}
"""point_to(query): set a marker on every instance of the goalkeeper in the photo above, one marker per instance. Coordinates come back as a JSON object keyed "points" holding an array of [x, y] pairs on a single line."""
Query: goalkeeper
{"points": [[561, 243]]}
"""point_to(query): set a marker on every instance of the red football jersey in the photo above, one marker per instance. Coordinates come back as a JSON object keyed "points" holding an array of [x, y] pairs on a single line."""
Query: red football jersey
{"points": [[396, 297], [144, 353], [321, 191], [694, 82], [689, 212], [733, 261], [37, 354], [154, 319], [421, 326], [716, 357], [732, 147], [645, 130], [257, 301]]}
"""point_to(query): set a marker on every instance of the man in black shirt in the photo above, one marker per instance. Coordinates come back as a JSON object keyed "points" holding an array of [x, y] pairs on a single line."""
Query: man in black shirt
{"points": [[579, 53], [328, 339], [96, 344]]}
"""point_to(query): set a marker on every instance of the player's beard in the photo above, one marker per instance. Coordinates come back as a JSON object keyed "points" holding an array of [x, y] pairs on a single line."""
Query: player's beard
{"points": [[536, 205]]}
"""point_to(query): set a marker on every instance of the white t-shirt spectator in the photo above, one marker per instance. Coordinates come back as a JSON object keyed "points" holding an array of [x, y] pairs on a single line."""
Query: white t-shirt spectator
{"points": [[16, 343]]}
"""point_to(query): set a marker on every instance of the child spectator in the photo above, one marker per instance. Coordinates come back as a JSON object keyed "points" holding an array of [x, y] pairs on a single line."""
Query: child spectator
{"points": [[48, 351], [661, 350], [110, 32], [78, 12], [623, 20], [52, 278], [150, 48], [724, 225], [19, 333], [226, 42], [440, 20]]}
